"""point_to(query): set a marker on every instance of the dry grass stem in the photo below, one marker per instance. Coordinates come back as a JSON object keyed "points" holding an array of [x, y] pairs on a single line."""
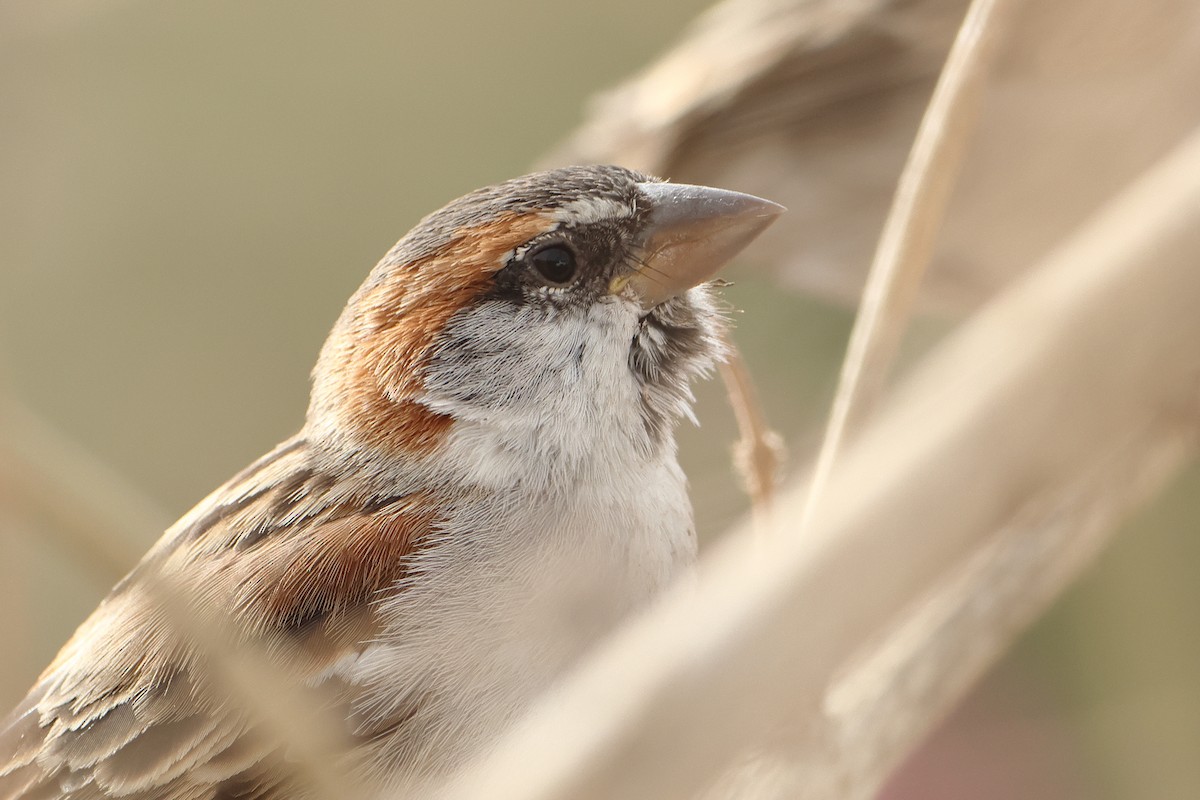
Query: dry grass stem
{"points": [[907, 242], [880, 707], [759, 451], [1091, 354]]}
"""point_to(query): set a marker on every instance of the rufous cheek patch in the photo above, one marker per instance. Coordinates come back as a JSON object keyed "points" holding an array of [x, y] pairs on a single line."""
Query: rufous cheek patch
{"points": [[388, 342]]}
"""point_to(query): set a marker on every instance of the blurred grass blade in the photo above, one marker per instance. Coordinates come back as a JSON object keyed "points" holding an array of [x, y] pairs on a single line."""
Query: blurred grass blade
{"points": [[892, 692], [910, 232], [100, 519]]}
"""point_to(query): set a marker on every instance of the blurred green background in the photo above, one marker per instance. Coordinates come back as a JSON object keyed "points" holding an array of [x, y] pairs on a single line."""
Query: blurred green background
{"points": [[191, 191]]}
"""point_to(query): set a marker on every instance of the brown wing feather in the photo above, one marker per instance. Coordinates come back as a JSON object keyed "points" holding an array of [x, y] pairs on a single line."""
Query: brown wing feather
{"points": [[287, 560]]}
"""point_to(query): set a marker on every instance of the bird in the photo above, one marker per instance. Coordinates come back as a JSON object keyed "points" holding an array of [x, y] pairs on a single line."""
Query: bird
{"points": [[485, 483]]}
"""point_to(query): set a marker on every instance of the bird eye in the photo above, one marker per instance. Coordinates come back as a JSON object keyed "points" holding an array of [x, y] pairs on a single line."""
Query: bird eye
{"points": [[555, 263]]}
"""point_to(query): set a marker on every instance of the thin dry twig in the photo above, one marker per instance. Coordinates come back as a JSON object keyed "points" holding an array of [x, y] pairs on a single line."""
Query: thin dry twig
{"points": [[1083, 364], [759, 450], [907, 242]]}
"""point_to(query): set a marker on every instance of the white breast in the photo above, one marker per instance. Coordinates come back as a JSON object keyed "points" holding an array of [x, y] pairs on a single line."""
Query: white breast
{"points": [[576, 518]]}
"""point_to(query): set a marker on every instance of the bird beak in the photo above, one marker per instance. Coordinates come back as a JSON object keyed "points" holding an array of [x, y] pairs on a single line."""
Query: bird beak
{"points": [[692, 233]]}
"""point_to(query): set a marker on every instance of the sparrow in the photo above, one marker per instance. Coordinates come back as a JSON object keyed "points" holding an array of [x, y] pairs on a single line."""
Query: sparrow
{"points": [[485, 483]]}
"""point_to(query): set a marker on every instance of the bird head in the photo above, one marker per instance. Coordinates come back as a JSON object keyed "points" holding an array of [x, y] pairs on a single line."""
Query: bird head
{"points": [[572, 291]]}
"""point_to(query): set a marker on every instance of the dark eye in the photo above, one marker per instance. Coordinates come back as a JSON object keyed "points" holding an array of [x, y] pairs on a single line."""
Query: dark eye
{"points": [[555, 263]]}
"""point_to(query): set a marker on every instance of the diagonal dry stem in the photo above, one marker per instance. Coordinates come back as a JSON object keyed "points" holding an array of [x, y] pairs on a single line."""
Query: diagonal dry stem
{"points": [[906, 243], [759, 450]]}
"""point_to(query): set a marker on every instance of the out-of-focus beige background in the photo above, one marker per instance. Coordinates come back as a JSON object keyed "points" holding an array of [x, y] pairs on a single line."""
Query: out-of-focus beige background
{"points": [[189, 192]]}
